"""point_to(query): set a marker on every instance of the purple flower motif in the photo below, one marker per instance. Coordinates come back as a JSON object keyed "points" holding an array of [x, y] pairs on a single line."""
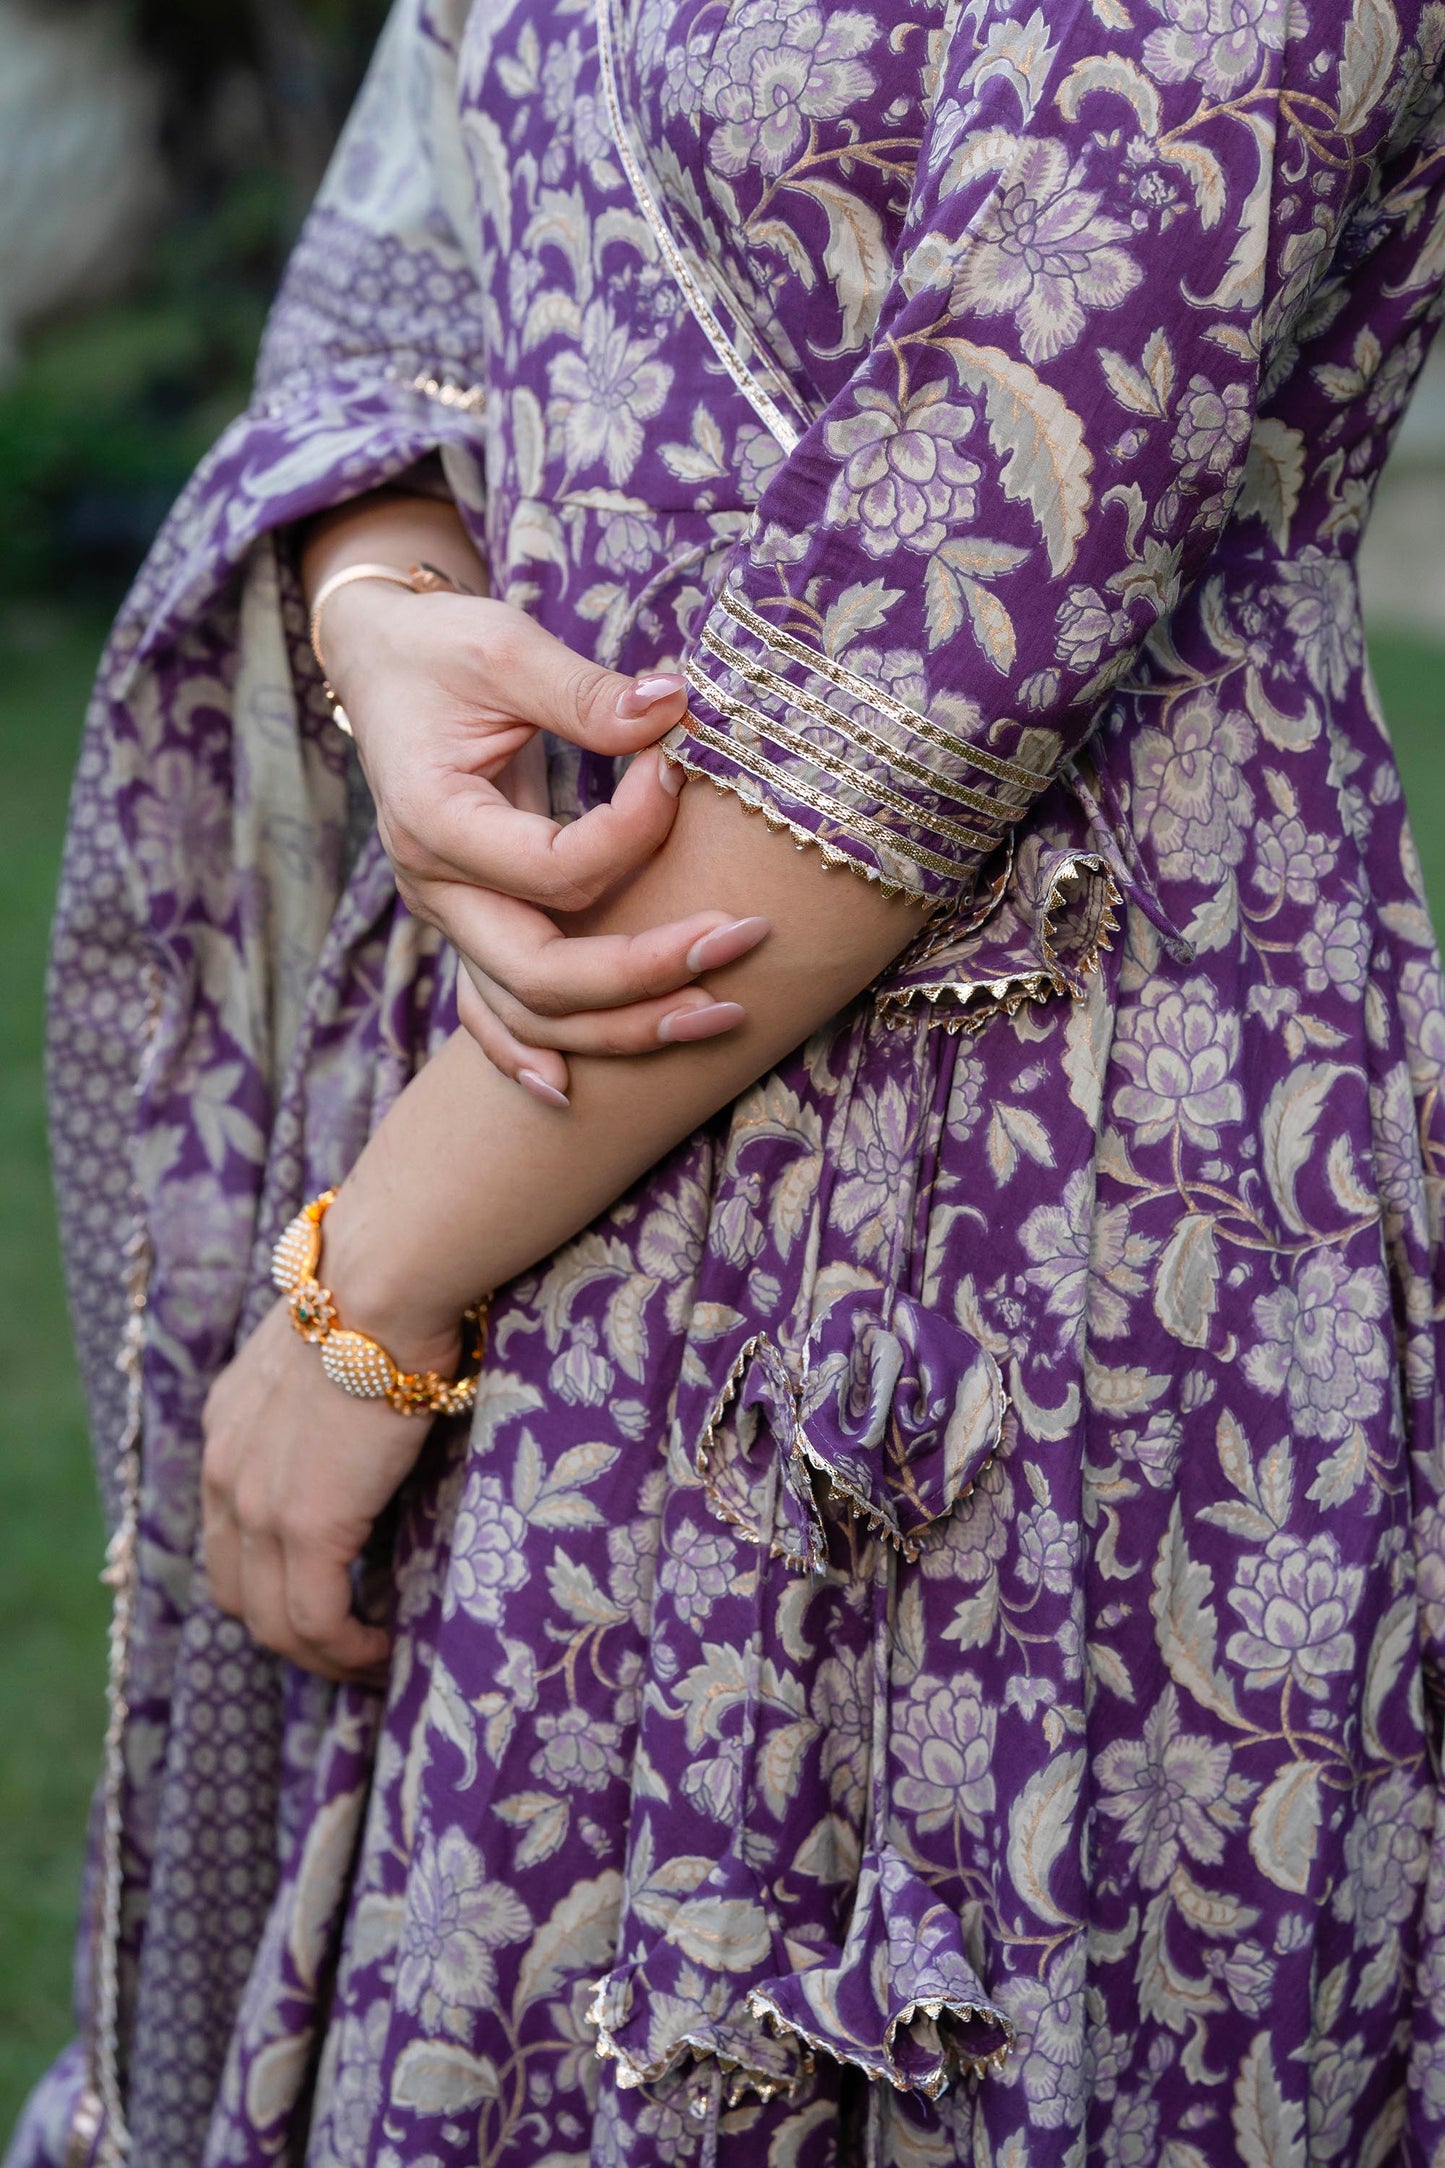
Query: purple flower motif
{"points": [[1167, 1790], [455, 1920], [1181, 1051], [758, 456], [1154, 1449], [1044, 252], [632, 1551], [604, 392], [1050, 2014], [579, 1751], [976, 1533], [1321, 1343], [625, 542], [898, 670], [1085, 626], [1387, 1850], [842, 1709], [699, 1566], [1420, 992], [943, 1740], [1213, 427], [777, 66], [874, 1163], [1339, 2073], [1048, 1550], [1215, 43], [1429, 1546], [582, 1376], [1297, 1600], [1336, 950], [1247, 1973], [1132, 2138], [902, 477], [1323, 613], [1290, 860], [1190, 790], [488, 1556]]}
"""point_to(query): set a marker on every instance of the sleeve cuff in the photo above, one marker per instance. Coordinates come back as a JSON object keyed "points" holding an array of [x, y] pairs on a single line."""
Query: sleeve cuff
{"points": [[844, 762]]}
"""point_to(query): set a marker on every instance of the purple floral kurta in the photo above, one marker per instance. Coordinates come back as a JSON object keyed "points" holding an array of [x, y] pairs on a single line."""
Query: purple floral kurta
{"points": [[931, 1651]]}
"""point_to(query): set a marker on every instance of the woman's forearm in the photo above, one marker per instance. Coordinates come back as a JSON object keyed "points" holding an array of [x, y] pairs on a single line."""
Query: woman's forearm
{"points": [[469, 1182]]}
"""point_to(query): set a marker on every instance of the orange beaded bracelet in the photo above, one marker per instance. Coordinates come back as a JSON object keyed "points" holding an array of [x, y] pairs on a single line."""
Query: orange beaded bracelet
{"points": [[353, 1360]]}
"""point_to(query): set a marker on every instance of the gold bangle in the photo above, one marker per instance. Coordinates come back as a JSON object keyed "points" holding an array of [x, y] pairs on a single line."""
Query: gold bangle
{"points": [[419, 579], [353, 1360]]}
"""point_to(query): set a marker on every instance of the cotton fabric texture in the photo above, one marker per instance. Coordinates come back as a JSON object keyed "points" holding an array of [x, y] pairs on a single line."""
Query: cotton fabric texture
{"points": [[931, 1649]]}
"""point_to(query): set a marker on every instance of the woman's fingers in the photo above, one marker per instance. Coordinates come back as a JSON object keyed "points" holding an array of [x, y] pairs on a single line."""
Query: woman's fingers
{"points": [[318, 1610], [296, 1601], [463, 826], [512, 1036], [221, 1546], [523, 782], [551, 686], [551, 973], [538, 1070]]}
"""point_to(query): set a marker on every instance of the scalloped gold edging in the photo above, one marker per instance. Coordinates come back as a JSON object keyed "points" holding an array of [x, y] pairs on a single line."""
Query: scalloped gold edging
{"points": [[779, 822], [1011, 991], [970, 2065]]}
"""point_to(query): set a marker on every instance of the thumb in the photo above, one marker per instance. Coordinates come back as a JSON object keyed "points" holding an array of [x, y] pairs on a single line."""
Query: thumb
{"points": [[554, 688]]}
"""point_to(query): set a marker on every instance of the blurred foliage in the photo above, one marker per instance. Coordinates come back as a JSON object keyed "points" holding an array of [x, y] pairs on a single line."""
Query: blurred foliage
{"points": [[111, 408]]}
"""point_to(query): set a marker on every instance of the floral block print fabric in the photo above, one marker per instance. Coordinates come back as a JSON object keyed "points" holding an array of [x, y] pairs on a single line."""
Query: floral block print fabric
{"points": [[930, 1651]]}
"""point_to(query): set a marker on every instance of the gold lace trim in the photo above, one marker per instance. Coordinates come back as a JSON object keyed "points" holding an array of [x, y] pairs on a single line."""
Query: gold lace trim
{"points": [[860, 826], [850, 729], [849, 778], [897, 711]]}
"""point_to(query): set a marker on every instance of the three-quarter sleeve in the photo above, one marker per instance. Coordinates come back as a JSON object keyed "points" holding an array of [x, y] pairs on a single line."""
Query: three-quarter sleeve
{"points": [[957, 563]]}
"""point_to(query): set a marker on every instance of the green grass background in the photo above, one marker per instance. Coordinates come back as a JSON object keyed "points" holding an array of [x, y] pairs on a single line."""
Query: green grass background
{"points": [[52, 1610]]}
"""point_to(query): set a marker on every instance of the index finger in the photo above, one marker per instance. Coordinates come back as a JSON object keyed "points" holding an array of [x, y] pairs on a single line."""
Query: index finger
{"points": [[491, 844], [318, 1599], [552, 973]]}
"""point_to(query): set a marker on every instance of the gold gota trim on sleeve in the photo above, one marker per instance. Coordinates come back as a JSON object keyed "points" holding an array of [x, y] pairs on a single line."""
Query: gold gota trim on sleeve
{"points": [[858, 825], [850, 728], [812, 658], [865, 785], [869, 786]]}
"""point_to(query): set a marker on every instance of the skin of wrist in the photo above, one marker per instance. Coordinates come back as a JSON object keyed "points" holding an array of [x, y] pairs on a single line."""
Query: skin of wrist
{"points": [[359, 626], [376, 1293]]}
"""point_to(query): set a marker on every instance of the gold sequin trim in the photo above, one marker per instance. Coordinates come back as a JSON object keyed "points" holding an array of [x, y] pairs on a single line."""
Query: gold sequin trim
{"points": [[847, 777], [783, 643], [854, 824], [465, 398], [851, 729]]}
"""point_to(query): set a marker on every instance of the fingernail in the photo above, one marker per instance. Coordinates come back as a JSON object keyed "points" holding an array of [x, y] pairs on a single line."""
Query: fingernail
{"points": [[644, 693], [673, 777], [541, 1089], [725, 944], [683, 1024]]}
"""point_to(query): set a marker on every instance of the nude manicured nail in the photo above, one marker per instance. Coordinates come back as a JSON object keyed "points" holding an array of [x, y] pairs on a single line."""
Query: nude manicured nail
{"points": [[725, 944], [681, 1025], [644, 693], [541, 1089], [673, 777]]}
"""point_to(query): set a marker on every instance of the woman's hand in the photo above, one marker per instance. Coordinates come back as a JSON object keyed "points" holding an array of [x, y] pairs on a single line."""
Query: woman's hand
{"points": [[294, 1475], [446, 695]]}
